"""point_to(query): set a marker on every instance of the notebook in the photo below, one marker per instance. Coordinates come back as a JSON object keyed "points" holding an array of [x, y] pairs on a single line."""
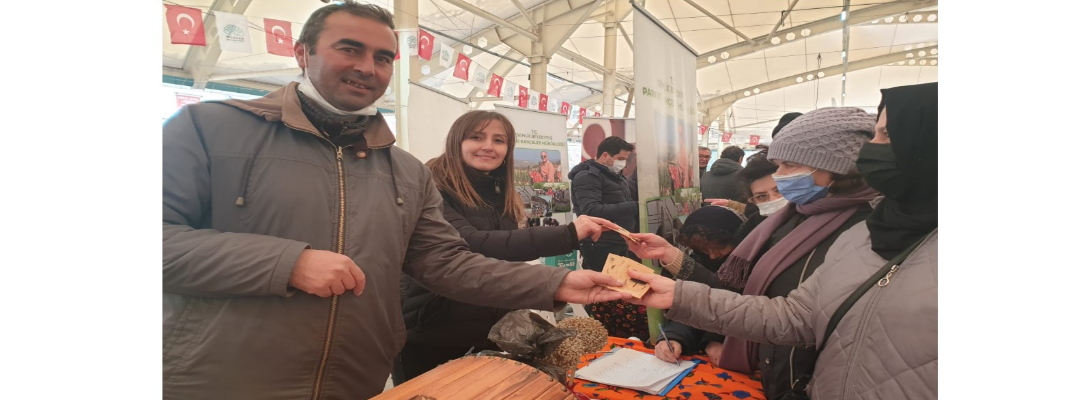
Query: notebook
{"points": [[631, 369]]}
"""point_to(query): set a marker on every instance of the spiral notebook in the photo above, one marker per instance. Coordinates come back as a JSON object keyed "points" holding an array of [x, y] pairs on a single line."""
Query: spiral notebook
{"points": [[636, 370]]}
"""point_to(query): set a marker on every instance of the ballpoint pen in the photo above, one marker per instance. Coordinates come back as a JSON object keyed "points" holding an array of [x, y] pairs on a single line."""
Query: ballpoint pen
{"points": [[670, 346]]}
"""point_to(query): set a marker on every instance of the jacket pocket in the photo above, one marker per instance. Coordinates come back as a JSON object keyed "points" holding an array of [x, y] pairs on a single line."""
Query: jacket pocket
{"points": [[435, 306], [182, 338]]}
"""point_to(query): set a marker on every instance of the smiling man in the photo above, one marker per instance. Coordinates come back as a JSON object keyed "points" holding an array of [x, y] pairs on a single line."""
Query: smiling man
{"points": [[288, 220]]}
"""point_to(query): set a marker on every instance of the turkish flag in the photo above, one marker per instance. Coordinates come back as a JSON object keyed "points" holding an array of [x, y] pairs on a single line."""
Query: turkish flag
{"points": [[426, 43], [524, 96], [597, 114], [461, 68], [565, 108], [495, 85], [186, 25], [582, 113], [754, 140], [543, 104], [278, 38], [703, 130], [726, 137]]}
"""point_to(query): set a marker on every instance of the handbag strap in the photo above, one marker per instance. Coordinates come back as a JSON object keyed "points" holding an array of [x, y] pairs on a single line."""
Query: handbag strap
{"points": [[858, 293]]}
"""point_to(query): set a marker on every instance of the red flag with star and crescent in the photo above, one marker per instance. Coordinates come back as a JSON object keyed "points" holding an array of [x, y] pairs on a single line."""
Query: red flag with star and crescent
{"points": [[461, 69], [565, 108], [495, 85], [582, 113], [186, 25], [278, 38], [426, 43], [703, 129], [524, 96], [754, 140], [543, 104]]}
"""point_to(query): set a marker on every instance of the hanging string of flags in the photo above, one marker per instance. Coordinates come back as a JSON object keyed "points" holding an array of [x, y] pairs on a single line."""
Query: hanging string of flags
{"points": [[186, 26]]}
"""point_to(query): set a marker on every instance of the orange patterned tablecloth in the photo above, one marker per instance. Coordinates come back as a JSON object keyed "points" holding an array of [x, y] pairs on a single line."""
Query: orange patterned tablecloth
{"points": [[705, 382]]}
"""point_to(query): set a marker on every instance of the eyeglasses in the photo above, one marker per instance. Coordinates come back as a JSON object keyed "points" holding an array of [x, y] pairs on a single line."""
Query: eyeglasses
{"points": [[763, 196]]}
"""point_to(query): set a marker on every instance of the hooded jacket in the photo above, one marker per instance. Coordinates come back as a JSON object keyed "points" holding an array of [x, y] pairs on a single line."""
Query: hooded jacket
{"points": [[598, 192], [247, 186], [724, 181]]}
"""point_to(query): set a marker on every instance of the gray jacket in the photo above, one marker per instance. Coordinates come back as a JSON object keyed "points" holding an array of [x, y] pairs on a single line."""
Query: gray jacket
{"points": [[885, 347], [247, 186]]}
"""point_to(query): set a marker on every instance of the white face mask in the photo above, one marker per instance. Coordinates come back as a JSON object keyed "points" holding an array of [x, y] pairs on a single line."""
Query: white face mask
{"points": [[770, 207], [307, 87], [618, 165]]}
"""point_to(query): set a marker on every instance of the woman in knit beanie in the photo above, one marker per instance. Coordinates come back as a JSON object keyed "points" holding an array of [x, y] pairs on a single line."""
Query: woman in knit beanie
{"points": [[815, 154]]}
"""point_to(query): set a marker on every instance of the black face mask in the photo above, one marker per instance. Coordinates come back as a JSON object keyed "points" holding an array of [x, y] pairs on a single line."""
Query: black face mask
{"points": [[878, 165], [707, 262]]}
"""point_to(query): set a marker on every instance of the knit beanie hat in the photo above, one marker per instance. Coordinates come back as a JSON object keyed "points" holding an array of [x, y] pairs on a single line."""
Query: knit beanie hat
{"points": [[828, 139]]}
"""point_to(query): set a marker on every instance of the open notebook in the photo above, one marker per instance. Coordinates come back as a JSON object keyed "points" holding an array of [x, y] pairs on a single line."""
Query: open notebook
{"points": [[635, 370]]}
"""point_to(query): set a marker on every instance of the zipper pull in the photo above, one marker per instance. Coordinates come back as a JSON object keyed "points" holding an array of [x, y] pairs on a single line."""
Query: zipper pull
{"points": [[340, 153], [885, 281]]}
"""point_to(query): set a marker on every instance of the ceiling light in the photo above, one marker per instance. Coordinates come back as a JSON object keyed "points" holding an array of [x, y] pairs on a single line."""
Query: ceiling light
{"points": [[798, 80], [934, 51], [934, 62], [903, 18], [917, 18], [711, 59], [775, 40], [756, 90], [921, 53], [810, 77], [425, 69], [467, 49], [746, 93], [821, 74], [805, 32], [909, 55], [889, 19], [932, 18], [482, 42], [724, 55], [791, 36], [912, 62]]}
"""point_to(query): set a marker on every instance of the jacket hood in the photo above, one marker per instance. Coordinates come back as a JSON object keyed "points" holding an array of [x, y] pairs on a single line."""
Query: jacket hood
{"points": [[283, 105], [725, 166]]}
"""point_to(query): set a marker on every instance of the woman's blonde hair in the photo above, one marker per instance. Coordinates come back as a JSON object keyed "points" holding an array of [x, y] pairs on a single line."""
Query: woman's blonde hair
{"points": [[449, 169]]}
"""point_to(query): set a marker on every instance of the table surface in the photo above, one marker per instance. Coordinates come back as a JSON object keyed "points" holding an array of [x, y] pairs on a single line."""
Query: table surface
{"points": [[705, 382]]}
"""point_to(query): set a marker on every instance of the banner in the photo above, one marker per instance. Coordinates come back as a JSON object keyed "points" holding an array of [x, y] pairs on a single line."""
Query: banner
{"points": [[234, 32], [524, 96], [461, 70], [183, 99], [665, 126], [535, 100], [754, 140], [186, 25], [495, 85], [427, 42], [433, 113], [446, 55], [278, 38], [541, 161], [479, 76]]}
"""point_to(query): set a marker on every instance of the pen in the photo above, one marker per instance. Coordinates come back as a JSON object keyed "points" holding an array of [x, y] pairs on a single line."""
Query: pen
{"points": [[668, 345]]}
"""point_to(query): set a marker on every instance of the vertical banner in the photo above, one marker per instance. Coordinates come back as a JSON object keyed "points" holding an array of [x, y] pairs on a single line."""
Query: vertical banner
{"points": [[665, 69], [434, 113], [541, 169]]}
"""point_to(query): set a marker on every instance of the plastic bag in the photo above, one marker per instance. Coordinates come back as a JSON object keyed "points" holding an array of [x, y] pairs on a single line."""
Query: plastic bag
{"points": [[527, 334]]}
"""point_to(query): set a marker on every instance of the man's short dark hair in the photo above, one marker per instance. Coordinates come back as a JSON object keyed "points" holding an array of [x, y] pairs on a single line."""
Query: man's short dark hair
{"points": [[703, 148], [316, 23], [784, 120], [613, 145], [733, 153]]}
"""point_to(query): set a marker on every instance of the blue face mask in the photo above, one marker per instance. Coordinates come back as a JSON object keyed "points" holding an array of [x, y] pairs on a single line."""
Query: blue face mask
{"points": [[799, 188]]}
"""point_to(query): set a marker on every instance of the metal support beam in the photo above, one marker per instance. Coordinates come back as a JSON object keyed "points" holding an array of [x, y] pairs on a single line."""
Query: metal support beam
{"points": [[237, 82], [525, 14], [495, 20], [200, 60], [609, 78], [717, 105], [560, 28], [628, 103], [821, 26], [782, 18], [406, 21], [625, 34], [720, 21], [256, 74]]}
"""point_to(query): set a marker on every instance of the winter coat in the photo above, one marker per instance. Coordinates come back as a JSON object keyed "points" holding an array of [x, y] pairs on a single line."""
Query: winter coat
{"points": [[598, 192], [438, 321], [885, 347], [724, 181], [247, 186]]}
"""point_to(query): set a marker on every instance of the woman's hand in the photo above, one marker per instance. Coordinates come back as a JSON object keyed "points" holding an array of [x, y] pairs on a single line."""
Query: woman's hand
{"points": [[660, 296], [714, 350], [652, 246], [587, 226], [668, 350]]}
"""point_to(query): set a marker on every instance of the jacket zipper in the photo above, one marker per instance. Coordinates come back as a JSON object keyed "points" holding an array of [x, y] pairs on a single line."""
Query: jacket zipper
{"points": [[791, 357], [340, 250]]}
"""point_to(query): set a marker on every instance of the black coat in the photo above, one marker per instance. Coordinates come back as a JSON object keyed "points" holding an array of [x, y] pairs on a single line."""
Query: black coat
{"points": [[598, 192], [439, 321], [724, 181]]}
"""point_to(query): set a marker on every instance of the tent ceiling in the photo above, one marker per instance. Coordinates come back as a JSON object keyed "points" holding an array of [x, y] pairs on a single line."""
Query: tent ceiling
{"points": [[790, 54]]}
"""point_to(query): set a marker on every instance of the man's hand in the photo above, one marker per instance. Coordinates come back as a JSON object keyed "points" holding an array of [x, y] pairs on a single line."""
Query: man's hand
{"points": [[581, 287], [668, 350], [651, 246], [325, 273], [587, 226], [660, 296], [714, 350]]}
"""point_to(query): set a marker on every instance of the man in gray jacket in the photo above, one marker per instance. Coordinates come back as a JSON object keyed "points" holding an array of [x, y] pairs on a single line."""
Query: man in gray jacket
{"points": [[724, 180], [274, 210]]}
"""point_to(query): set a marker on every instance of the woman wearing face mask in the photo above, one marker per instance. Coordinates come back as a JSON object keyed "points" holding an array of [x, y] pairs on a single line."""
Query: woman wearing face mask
{"points": [[816, 171], [473, 176], [886, 344]]}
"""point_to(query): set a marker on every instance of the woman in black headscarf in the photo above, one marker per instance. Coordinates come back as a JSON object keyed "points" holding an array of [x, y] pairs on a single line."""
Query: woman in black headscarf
{"points": [[886, 344]]}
